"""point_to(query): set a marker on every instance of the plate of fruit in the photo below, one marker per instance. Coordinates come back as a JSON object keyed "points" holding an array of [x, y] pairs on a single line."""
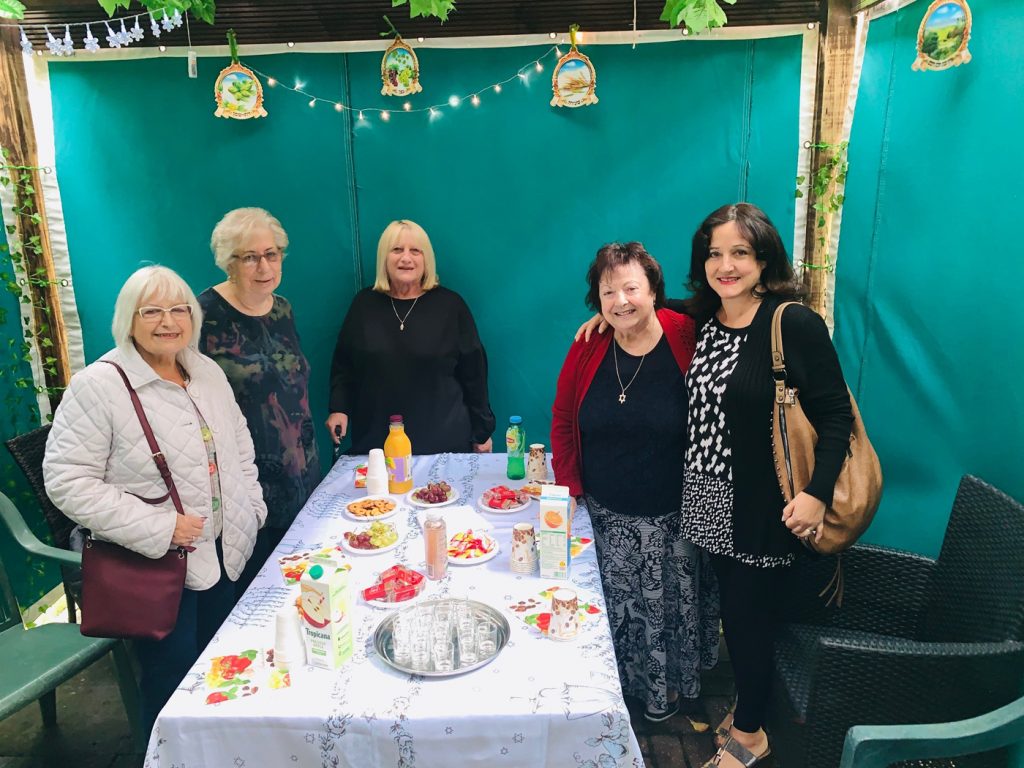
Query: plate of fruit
{"points": [[397, 586], [503, 500], [471, 547], [432, 495], [378, 538]]}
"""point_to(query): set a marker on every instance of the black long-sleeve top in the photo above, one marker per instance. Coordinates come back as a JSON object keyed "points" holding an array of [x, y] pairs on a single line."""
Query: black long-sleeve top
{"points": [[434, 372]]}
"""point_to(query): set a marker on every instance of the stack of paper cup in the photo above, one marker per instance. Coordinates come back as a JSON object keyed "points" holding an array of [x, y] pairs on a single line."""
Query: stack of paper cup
{"points": [[524, 551], [376, 473], [289, 645]]}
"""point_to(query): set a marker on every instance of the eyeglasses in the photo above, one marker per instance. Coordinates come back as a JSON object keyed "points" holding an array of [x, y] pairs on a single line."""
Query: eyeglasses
{"points": [[250, 260], [153, 314]]}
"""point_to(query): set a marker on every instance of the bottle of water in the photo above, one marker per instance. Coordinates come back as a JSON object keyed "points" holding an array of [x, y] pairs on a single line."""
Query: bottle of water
{"points": [[515, 446]]}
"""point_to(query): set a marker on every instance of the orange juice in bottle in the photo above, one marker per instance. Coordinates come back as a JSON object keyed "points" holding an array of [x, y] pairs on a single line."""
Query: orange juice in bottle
{"points": [[398, 457]]}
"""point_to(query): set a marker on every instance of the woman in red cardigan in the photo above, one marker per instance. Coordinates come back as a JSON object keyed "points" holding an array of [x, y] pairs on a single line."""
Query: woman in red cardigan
{"points": [[618, 395]]}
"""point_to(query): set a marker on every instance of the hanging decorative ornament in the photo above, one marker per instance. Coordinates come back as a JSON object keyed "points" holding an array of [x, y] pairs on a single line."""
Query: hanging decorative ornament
{"points": [[154, 28], [400, 69], [92, 43], [53, 44], [574, 80], [26, 44], [238, 91], [69, 44], [943, 36]]}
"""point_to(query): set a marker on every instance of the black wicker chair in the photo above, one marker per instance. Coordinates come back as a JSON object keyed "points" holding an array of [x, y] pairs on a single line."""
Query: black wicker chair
{"points": [[915, 641], [28, 451]]}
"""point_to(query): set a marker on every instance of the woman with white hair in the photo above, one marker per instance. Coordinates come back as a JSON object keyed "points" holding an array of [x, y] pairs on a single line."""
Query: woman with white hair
{"points": [[410, 346], [100, 471], [250, 331]]}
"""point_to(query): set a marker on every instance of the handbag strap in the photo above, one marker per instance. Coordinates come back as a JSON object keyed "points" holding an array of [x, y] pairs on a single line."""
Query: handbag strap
{"points": [[778, 357], [158, 457]]}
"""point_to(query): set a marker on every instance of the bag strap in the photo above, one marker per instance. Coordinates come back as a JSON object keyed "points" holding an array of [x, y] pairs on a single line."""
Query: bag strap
{"points": [[158, 457], [778, 357]]}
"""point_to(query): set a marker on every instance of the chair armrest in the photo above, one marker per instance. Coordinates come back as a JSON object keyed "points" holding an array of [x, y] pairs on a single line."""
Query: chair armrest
{"points": [[884, 590], [878, 746], [890, 680], [28, 540]]}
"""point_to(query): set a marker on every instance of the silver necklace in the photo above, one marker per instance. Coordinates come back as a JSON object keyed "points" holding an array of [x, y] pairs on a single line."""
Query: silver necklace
{"points": [[401, 320], [615, 356]]}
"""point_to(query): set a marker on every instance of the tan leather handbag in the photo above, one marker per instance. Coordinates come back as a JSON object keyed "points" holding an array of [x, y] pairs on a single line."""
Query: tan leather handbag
{"points": [[859, 487]]}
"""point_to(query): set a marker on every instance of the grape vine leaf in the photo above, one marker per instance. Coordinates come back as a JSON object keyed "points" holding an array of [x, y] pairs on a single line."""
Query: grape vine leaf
{"points": [[696, 15], [12, 9]]}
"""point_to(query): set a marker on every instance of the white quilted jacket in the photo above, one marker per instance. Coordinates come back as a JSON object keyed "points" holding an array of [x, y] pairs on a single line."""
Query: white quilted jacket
{"points": [[97, 456]]}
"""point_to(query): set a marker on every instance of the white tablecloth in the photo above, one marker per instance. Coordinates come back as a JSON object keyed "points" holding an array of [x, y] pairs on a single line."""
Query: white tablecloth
{"points": [[540, 703]]}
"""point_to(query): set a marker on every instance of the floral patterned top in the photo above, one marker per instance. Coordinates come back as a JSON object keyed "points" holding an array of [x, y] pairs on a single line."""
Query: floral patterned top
{"points": [[263, 360]]}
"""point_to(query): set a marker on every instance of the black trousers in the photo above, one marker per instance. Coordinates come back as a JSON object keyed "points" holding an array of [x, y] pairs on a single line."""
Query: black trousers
{"points": [[750, 600]]}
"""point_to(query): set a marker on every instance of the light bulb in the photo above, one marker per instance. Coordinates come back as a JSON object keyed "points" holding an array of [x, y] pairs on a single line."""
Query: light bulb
{"points": [[270, 81], [407, 106], [385, 115], [552, 35], [163, 49], [312, 102], [539, 67], [475, 100], [522, 76], [291, 45], [420, 39], [454, 101], [497, 88], [361, 115], [338, 107]]}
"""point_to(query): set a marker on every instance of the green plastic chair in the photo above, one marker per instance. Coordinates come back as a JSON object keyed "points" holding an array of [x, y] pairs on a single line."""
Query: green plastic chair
{"points": [[878, 746], [40, 659]]}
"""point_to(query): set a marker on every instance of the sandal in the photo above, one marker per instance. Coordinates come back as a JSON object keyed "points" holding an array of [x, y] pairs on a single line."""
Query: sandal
{"points": [[722, 731], [745, 757]]}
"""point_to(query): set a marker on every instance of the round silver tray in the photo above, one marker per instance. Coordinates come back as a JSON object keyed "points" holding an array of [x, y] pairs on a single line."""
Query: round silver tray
{"points": [[383, 646]]}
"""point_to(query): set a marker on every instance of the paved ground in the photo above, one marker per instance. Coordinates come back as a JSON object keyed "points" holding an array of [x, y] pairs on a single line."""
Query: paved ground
{"points": [[92, 731]]}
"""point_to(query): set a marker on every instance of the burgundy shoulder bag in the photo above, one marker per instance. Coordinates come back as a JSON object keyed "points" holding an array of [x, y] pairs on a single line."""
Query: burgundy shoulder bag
{"points": [[125, 594]]}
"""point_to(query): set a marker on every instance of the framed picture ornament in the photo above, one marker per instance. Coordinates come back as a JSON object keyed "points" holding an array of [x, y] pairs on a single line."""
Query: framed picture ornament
{"points": [[400, 70], [239, 93], [943, 36], [574, 80]]}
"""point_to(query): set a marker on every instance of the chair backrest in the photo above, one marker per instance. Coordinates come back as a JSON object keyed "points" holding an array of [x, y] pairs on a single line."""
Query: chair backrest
{"points": [[977, 590], [10, 614], [28, 451]]}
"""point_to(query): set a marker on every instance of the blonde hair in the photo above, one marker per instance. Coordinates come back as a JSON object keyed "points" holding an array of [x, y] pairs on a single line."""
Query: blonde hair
{"points": [[235, 228], [146, 282], [391, 235]]}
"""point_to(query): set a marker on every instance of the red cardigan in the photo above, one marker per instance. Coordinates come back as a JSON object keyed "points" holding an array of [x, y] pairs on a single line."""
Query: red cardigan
{"points": [[578, 371]]}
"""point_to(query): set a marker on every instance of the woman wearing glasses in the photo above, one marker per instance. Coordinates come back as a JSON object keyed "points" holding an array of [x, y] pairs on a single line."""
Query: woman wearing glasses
{"points": [[250, 331], [100, 472]]}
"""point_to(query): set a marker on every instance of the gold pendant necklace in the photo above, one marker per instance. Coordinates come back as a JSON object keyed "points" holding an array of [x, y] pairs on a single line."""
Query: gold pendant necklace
{"points": [[401, 320], [615, 356]]}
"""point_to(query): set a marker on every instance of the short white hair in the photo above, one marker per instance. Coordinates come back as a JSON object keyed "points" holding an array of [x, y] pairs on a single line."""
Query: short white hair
{"points": [[146, 282], [235, 228]]}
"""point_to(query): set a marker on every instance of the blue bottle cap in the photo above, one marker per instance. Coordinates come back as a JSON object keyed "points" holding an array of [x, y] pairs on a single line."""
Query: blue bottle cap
{"points": [[515, 419], [316, 572]]}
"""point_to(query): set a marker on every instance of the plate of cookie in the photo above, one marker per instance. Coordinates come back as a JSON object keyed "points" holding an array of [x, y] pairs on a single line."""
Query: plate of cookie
{"points": [[371, 508]]}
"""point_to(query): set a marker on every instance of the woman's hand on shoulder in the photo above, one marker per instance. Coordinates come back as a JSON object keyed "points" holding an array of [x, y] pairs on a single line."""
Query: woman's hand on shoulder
{"points": [[804, 516], [588, 327], [337, 426]]}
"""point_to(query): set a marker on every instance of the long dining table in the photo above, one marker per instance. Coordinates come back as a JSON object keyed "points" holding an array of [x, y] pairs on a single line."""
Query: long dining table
{"points": [[540, 702]]}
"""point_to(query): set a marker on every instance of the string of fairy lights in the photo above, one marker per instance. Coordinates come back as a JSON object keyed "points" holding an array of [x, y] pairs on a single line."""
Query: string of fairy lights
{"points": [[523, 74], [125, 31]]}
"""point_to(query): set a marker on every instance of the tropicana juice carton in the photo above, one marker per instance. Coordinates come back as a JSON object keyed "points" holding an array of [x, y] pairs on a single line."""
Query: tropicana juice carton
{"points": [[554, 531], [325, 605]]}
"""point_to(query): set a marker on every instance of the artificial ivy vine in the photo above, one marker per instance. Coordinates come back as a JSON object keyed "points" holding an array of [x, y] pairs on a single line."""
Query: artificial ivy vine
{"points": [[13, 261], [826, 186], [695, 15]]}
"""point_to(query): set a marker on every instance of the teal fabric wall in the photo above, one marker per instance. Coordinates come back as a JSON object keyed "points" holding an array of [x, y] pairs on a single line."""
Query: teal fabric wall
{"points": [[929, 315], [516, 195]]}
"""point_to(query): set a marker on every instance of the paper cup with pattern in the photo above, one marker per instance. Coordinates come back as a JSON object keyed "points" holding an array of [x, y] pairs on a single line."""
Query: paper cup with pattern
{"points": [[564, 615], [523, 551]]}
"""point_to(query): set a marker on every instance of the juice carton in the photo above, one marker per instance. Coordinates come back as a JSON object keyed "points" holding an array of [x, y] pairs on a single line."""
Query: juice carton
{"points": [[553, 531], [325, 605]]}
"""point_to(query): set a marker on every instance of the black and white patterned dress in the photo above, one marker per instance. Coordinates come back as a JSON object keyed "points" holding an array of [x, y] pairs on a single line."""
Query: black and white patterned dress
{"points": [[707, 478]]}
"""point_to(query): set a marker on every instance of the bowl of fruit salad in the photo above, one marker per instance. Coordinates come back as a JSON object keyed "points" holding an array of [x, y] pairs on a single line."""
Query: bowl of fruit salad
{"points": [[432, 495], [378, 538]]}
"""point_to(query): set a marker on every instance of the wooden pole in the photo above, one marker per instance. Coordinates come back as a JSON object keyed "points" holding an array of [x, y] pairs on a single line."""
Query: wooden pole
{"points": [[834, 78], [17, 136]]}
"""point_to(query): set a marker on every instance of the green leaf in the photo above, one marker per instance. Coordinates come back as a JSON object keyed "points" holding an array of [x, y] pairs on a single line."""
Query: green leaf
{"points": [[109, 6], [11, 9], [204, 10], [800, 179], [3, 179], [799, 193]]}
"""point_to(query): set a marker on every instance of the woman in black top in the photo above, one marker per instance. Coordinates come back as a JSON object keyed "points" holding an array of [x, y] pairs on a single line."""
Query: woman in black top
{"points": [[410, 346], [732, 504]]}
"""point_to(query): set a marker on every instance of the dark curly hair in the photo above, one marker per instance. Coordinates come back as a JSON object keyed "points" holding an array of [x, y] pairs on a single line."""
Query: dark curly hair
{"points": [[619, 254], [777, 277]]}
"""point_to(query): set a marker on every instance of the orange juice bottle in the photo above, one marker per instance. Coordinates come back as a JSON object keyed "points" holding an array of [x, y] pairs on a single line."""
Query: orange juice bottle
{"points": [[398, 457]]}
